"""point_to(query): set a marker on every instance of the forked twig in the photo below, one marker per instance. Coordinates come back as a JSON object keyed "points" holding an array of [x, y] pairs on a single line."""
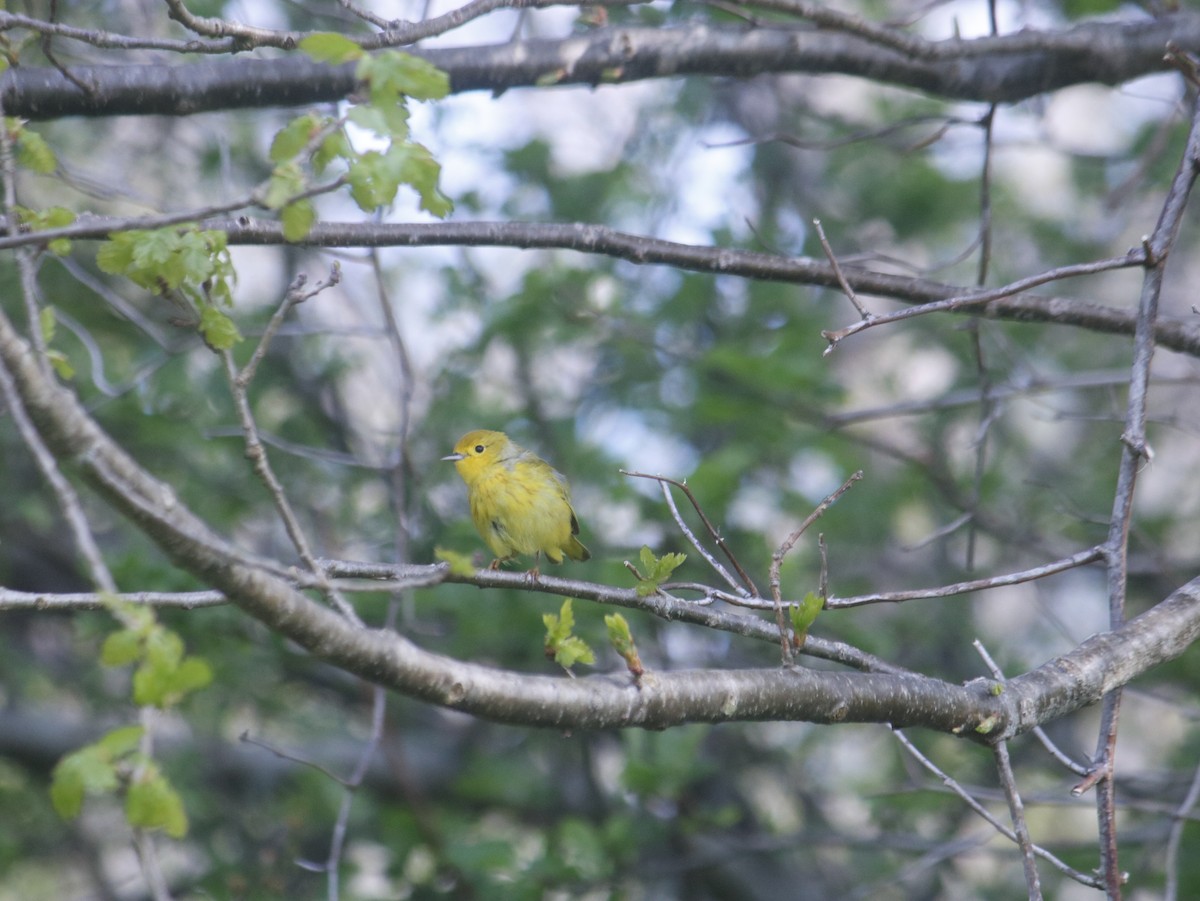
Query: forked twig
{"points": [[1038, 732], [970, 800], [837, 271], [748, 587], [780, 552]]}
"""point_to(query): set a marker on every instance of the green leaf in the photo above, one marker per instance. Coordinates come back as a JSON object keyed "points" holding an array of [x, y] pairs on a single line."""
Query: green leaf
{"points": [[573, 650], [805, 613], [297, 219], [47, 320], [335, 146], [372, 185], [115, 256], [565, 649], [559, 626], [218, 330], [655, 570], [32, 150], [393, 73], [460, 564], [181, 257], [287, 180], [418, 169], [164, 648], [121, 741], [193, 674], [88, 770], [389, 121], [294, 137], [327, 47], [121, 648], [61, 364], [621, 639], [618, 632], [152, 803]]}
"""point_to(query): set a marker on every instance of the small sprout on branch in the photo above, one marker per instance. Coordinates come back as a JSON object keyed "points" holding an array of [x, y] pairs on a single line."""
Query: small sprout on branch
{"points": [[654, 571], [460, 563], [51, 217], [622, 641], [986, 725], [328, 47], [48, 323], [804, 615], [32, 150], [562, 647]]}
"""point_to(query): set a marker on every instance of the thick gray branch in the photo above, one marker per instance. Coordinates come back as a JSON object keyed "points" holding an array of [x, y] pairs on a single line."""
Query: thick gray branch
{"points": [[660, 700], [992, 69]]}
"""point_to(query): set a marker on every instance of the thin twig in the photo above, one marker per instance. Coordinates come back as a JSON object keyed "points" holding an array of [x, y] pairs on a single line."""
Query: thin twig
{"points": [[1016, 810], [1171, 892], [257, 454], [1081, 558], [987, 815], [782, 551], [970, 301], [1038, 731], [712, 531], [837, 271]]}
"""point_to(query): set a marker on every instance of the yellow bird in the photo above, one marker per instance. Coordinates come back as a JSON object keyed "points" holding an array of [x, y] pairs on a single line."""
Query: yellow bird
{"points": [[519, 502]]}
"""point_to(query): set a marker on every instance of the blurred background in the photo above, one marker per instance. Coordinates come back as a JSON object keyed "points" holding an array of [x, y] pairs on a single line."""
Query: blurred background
{"points": [[987, 447]]}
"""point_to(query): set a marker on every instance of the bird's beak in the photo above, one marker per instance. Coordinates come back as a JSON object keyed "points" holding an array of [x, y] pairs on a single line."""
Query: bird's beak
{"points": [[455, 457]]}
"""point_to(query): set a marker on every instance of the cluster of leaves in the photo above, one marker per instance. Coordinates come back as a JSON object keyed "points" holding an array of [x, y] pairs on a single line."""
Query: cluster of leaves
{"points": [[566, 648], [117, 762], [654, 570], [185, 263], [391, 79]]}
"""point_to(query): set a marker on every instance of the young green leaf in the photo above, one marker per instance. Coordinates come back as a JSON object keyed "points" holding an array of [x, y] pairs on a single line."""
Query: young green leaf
{"points": [[218, 330], [564, 648], [621, 639], [48, 322], [294, 137], [460, 564], [655, 570], [152, 803], [32, 150], [804, 615], [327, 47], [393, 73], [120, 742], [297, 219], [121, 648]]}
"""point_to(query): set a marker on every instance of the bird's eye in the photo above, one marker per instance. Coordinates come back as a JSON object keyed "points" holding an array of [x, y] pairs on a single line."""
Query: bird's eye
{"points": [[479, 448]]}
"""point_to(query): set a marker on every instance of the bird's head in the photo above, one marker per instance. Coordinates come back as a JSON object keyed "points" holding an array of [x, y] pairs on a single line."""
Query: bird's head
{"points": [[476, 451]]}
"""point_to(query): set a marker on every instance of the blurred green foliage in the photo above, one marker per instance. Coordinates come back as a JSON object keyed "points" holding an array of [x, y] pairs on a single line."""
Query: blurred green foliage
{"points": [[979, 458]]}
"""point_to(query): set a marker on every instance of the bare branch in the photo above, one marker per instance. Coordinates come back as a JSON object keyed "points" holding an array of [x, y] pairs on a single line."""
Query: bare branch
{"points": [[987, 815], [1016, 810], [1082, 558], [993, 69]]}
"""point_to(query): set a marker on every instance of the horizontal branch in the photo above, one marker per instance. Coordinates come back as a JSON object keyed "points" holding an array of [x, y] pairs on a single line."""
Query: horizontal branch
{"points": [[1178, 335], [1173, 334], [1002, 69]]}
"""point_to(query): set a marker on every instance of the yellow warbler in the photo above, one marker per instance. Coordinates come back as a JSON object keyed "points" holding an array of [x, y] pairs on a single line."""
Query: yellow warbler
{"points": [[519, 502]]}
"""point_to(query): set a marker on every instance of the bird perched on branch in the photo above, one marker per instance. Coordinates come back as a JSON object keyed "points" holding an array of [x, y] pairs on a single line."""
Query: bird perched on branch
{"points": [[520, 503]]}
